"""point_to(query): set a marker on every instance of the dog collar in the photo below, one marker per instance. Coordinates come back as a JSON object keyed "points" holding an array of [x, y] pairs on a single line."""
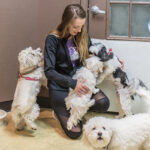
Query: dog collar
{"points": [[28, 78], [30, 70]]}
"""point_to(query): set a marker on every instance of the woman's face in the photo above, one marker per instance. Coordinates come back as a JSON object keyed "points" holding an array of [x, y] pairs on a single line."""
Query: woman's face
{"points": [[76, 25]]}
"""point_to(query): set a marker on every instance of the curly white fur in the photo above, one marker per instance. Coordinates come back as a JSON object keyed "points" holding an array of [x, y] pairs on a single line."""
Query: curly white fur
{"points": [[24, 108], [109, 67], [78, 106], [125, 94], [129, 133]]}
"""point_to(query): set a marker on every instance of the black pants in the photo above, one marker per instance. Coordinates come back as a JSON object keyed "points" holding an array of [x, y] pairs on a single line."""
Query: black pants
{"points": [[59, 107]]}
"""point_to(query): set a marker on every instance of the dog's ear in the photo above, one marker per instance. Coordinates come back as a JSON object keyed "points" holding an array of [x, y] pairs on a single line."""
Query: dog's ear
{"points": [[115, 73], [84, 137], [88, 64], [111, 55], [38, 49], [124, 79]]}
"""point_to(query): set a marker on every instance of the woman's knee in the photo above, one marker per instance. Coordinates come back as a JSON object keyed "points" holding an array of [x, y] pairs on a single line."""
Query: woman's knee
{"points": [[105, 103], [62, 116]]}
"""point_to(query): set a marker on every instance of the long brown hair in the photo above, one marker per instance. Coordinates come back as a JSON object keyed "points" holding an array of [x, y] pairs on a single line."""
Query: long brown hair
{"points": [[70, 13]]}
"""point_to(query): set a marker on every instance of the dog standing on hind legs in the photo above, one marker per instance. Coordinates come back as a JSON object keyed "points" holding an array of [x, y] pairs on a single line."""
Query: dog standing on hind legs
{"points": [[24, 109], [126, 90]]}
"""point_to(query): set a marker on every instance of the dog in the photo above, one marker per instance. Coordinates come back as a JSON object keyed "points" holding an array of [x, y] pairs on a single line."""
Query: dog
{"points": [[129, 133], [24, 109], [127, 89], [78, 106], [100, 50]]}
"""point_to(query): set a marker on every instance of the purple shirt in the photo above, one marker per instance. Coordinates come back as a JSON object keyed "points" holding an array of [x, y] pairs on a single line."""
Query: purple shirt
{"points": [[74, 54]]}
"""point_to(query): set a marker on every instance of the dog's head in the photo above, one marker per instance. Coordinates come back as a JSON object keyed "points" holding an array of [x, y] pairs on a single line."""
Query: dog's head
{"points": [[100, 50], [121, 77], [104, 56], [94, 65], [97, 132], [30, 58]]}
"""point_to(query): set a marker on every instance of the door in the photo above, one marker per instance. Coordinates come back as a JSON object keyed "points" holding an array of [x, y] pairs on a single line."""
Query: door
{"points": [[97, 18]]}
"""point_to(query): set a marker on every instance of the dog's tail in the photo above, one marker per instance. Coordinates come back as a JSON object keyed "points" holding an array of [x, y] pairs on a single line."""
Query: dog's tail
{"points": [[137, 87], [144, 93]]}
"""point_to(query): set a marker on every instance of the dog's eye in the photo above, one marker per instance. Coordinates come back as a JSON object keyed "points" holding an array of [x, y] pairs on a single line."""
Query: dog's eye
{"points": [[104, 128], [94, 128]]}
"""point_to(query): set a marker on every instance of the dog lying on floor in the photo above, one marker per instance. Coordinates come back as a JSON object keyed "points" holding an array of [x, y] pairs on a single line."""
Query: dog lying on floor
{"points": [[24, 109], [78, 106], [129, 133]]}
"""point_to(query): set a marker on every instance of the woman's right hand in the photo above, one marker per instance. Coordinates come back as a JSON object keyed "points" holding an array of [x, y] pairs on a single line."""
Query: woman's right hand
{"points": [[80, 88]]}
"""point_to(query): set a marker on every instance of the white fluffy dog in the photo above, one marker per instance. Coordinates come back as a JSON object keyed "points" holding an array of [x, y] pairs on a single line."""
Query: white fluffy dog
{"points": [[129, 133], [78, 106], [24, 108]]}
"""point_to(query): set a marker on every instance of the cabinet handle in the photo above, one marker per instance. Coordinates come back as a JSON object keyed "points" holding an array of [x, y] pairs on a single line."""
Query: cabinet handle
{"points": [[96, 10]]}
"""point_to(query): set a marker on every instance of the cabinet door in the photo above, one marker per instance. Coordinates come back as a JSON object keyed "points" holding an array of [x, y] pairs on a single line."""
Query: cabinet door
{"points": [[24, 24], [97, 22]]}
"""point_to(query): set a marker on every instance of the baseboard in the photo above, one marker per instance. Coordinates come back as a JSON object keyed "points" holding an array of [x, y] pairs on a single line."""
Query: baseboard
{"points": [[43, 102]]}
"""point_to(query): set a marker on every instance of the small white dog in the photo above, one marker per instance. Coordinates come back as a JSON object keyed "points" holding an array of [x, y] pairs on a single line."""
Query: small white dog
{"points": [[24, 108], [78, 106], [129, 133]]}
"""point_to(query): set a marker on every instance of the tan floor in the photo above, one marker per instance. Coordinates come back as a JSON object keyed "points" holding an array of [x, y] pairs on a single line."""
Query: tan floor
{"points": [[49, 135]]}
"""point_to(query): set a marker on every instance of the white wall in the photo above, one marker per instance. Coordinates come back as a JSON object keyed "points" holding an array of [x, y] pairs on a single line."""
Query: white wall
{"points": [[136, 57]]}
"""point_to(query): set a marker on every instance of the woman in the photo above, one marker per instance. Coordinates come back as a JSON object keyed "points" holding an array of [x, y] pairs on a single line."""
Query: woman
{"points": [[65, 50]]}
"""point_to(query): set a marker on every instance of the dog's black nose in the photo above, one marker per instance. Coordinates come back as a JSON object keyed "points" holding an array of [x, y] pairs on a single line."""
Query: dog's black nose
{"points": [[99, 133]]}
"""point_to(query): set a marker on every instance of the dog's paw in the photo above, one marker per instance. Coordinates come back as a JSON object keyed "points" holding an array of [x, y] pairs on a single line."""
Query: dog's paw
{"points": [[31, 125], [34, 127], [69, 125], [19, 126], [119, 116], [19, 129], [96, 90]]}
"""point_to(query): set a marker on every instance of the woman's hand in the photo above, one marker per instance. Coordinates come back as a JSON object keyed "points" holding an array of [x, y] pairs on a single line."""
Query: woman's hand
{"points": [[80, 88]]}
